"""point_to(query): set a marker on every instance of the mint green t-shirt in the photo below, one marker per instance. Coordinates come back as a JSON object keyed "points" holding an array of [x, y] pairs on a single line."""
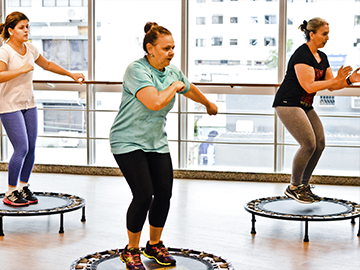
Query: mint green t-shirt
{"points": [[135, 126]]}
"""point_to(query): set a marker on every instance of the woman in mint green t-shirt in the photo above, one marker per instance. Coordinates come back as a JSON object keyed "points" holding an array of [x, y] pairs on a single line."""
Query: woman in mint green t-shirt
{"points": [[139, 142]]}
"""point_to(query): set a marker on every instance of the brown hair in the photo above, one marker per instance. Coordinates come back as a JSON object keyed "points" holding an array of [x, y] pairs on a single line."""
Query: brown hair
{"points": [[11, 21], [152, 33], [312, 26]]}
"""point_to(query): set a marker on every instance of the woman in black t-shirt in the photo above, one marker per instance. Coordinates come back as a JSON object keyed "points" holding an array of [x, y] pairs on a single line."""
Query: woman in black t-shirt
{"points": [[308, 72]]}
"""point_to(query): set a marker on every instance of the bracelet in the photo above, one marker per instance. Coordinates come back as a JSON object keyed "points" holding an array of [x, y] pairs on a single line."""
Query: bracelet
{"points": [[348, 81]]}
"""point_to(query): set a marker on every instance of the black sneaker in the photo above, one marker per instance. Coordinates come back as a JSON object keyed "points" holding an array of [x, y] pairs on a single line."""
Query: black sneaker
{"points": [[159, 253], [28, 195], [300, 194], [15, 199], [131, 258], [311, 194]]}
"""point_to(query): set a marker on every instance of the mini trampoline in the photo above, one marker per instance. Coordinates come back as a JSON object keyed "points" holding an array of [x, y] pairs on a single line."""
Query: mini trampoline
{"points": [[282, 207], [49, 204], [185, 259]]}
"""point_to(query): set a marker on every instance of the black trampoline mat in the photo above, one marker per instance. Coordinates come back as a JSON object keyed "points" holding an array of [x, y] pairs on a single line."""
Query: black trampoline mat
{"points": [[292, 207], [45, 203], [182, 263]]}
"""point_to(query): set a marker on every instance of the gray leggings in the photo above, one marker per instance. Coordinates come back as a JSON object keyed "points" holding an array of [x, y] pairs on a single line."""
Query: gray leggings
{"points": [[308, 131]]}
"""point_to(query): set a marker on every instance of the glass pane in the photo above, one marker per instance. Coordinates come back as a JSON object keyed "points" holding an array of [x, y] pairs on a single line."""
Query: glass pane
{"points": [[334, 161], [103, 154], [230, 157], [174, 150], [76, 3], [14, 3], [340, 51], [62, 3], [26, 3], [103, 123], [338, 131], [61, 113], [233, 41], [108, 100], [119, 38], [172, 124], [65, 151], [58, 34], [231, 128], [49, 3]]}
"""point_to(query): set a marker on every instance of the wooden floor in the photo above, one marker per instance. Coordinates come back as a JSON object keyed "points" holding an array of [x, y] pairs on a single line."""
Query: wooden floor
{"points": [[205, 216]]}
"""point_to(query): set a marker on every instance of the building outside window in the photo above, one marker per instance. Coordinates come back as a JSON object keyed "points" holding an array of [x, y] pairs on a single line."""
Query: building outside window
{"points": [[200, 42], [217, 41], [217, 19], [200, 20], [269, 41], [233, 19], [233, 42], [270, 19]]}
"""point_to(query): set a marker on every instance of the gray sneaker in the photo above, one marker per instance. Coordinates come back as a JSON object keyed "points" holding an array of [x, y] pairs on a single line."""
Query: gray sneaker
{"points": [[311, 194], [300, 194]]}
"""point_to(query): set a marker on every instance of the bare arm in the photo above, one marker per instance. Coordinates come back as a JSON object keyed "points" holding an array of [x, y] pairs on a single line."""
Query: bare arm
{"points": [[51, 66], [306, 77], [6, 75], [155, 100], [195, 94]]}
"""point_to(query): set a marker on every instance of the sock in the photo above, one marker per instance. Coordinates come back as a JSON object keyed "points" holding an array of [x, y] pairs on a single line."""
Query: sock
{"points": [[21, 185], [10, 189], [293, 188]]}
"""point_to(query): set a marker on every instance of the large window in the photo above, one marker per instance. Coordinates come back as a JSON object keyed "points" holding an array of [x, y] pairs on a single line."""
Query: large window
{"points": [[243, 21], [119, 38], [231, 49]]}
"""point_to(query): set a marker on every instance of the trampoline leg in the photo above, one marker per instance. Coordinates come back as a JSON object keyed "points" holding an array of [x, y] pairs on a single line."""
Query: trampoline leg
{"points": [[83, 219], [353, 221], [1, 226], [359, 228], [306, 237], [253, 220], [61, 223]]}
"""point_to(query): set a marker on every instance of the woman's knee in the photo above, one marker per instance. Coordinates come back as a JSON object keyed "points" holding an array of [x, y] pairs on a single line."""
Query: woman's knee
{"points": [[21, 150]]}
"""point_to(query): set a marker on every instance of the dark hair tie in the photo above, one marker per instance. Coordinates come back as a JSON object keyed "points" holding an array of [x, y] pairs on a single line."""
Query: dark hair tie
{"points": [[304, 24]]}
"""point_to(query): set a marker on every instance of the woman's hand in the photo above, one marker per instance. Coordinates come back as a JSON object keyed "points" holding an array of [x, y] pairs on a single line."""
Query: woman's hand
{"points": [[78, 77], [212, 109], [343, 72], [179, 86], [355, 76], [26, 68]]}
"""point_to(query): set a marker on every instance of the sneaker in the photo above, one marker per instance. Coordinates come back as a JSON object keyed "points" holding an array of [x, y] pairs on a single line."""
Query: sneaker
{"points": [[15, 198], [300, 194], [28, 195], [159, 253], [131, 258], [311, 194]]}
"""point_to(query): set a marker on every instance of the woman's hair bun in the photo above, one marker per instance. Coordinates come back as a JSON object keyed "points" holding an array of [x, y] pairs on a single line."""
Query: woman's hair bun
{"points": [[149, 25], [304, 25]]}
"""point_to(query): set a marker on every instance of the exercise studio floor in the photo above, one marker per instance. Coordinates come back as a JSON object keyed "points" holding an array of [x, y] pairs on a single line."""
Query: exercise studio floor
{"points": [[205, 216]]}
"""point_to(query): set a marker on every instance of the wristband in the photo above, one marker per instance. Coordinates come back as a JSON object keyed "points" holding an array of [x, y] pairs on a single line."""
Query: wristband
{"points": [[348, 81]]}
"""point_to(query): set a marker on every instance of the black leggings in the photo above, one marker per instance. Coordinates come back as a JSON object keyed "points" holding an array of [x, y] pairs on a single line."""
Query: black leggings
{"points": [[150, 177]]}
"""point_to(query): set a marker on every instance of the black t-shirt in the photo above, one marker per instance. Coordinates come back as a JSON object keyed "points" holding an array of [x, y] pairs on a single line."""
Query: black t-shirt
{"points": [[290, 92]]}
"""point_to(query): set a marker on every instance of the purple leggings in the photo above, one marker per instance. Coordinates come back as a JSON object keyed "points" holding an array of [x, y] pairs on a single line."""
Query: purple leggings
{"points": [[21, 129]]}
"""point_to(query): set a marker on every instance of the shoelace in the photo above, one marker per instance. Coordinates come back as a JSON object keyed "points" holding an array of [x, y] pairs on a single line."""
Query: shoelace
{"points": [[134, 257], [162, 250]]}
